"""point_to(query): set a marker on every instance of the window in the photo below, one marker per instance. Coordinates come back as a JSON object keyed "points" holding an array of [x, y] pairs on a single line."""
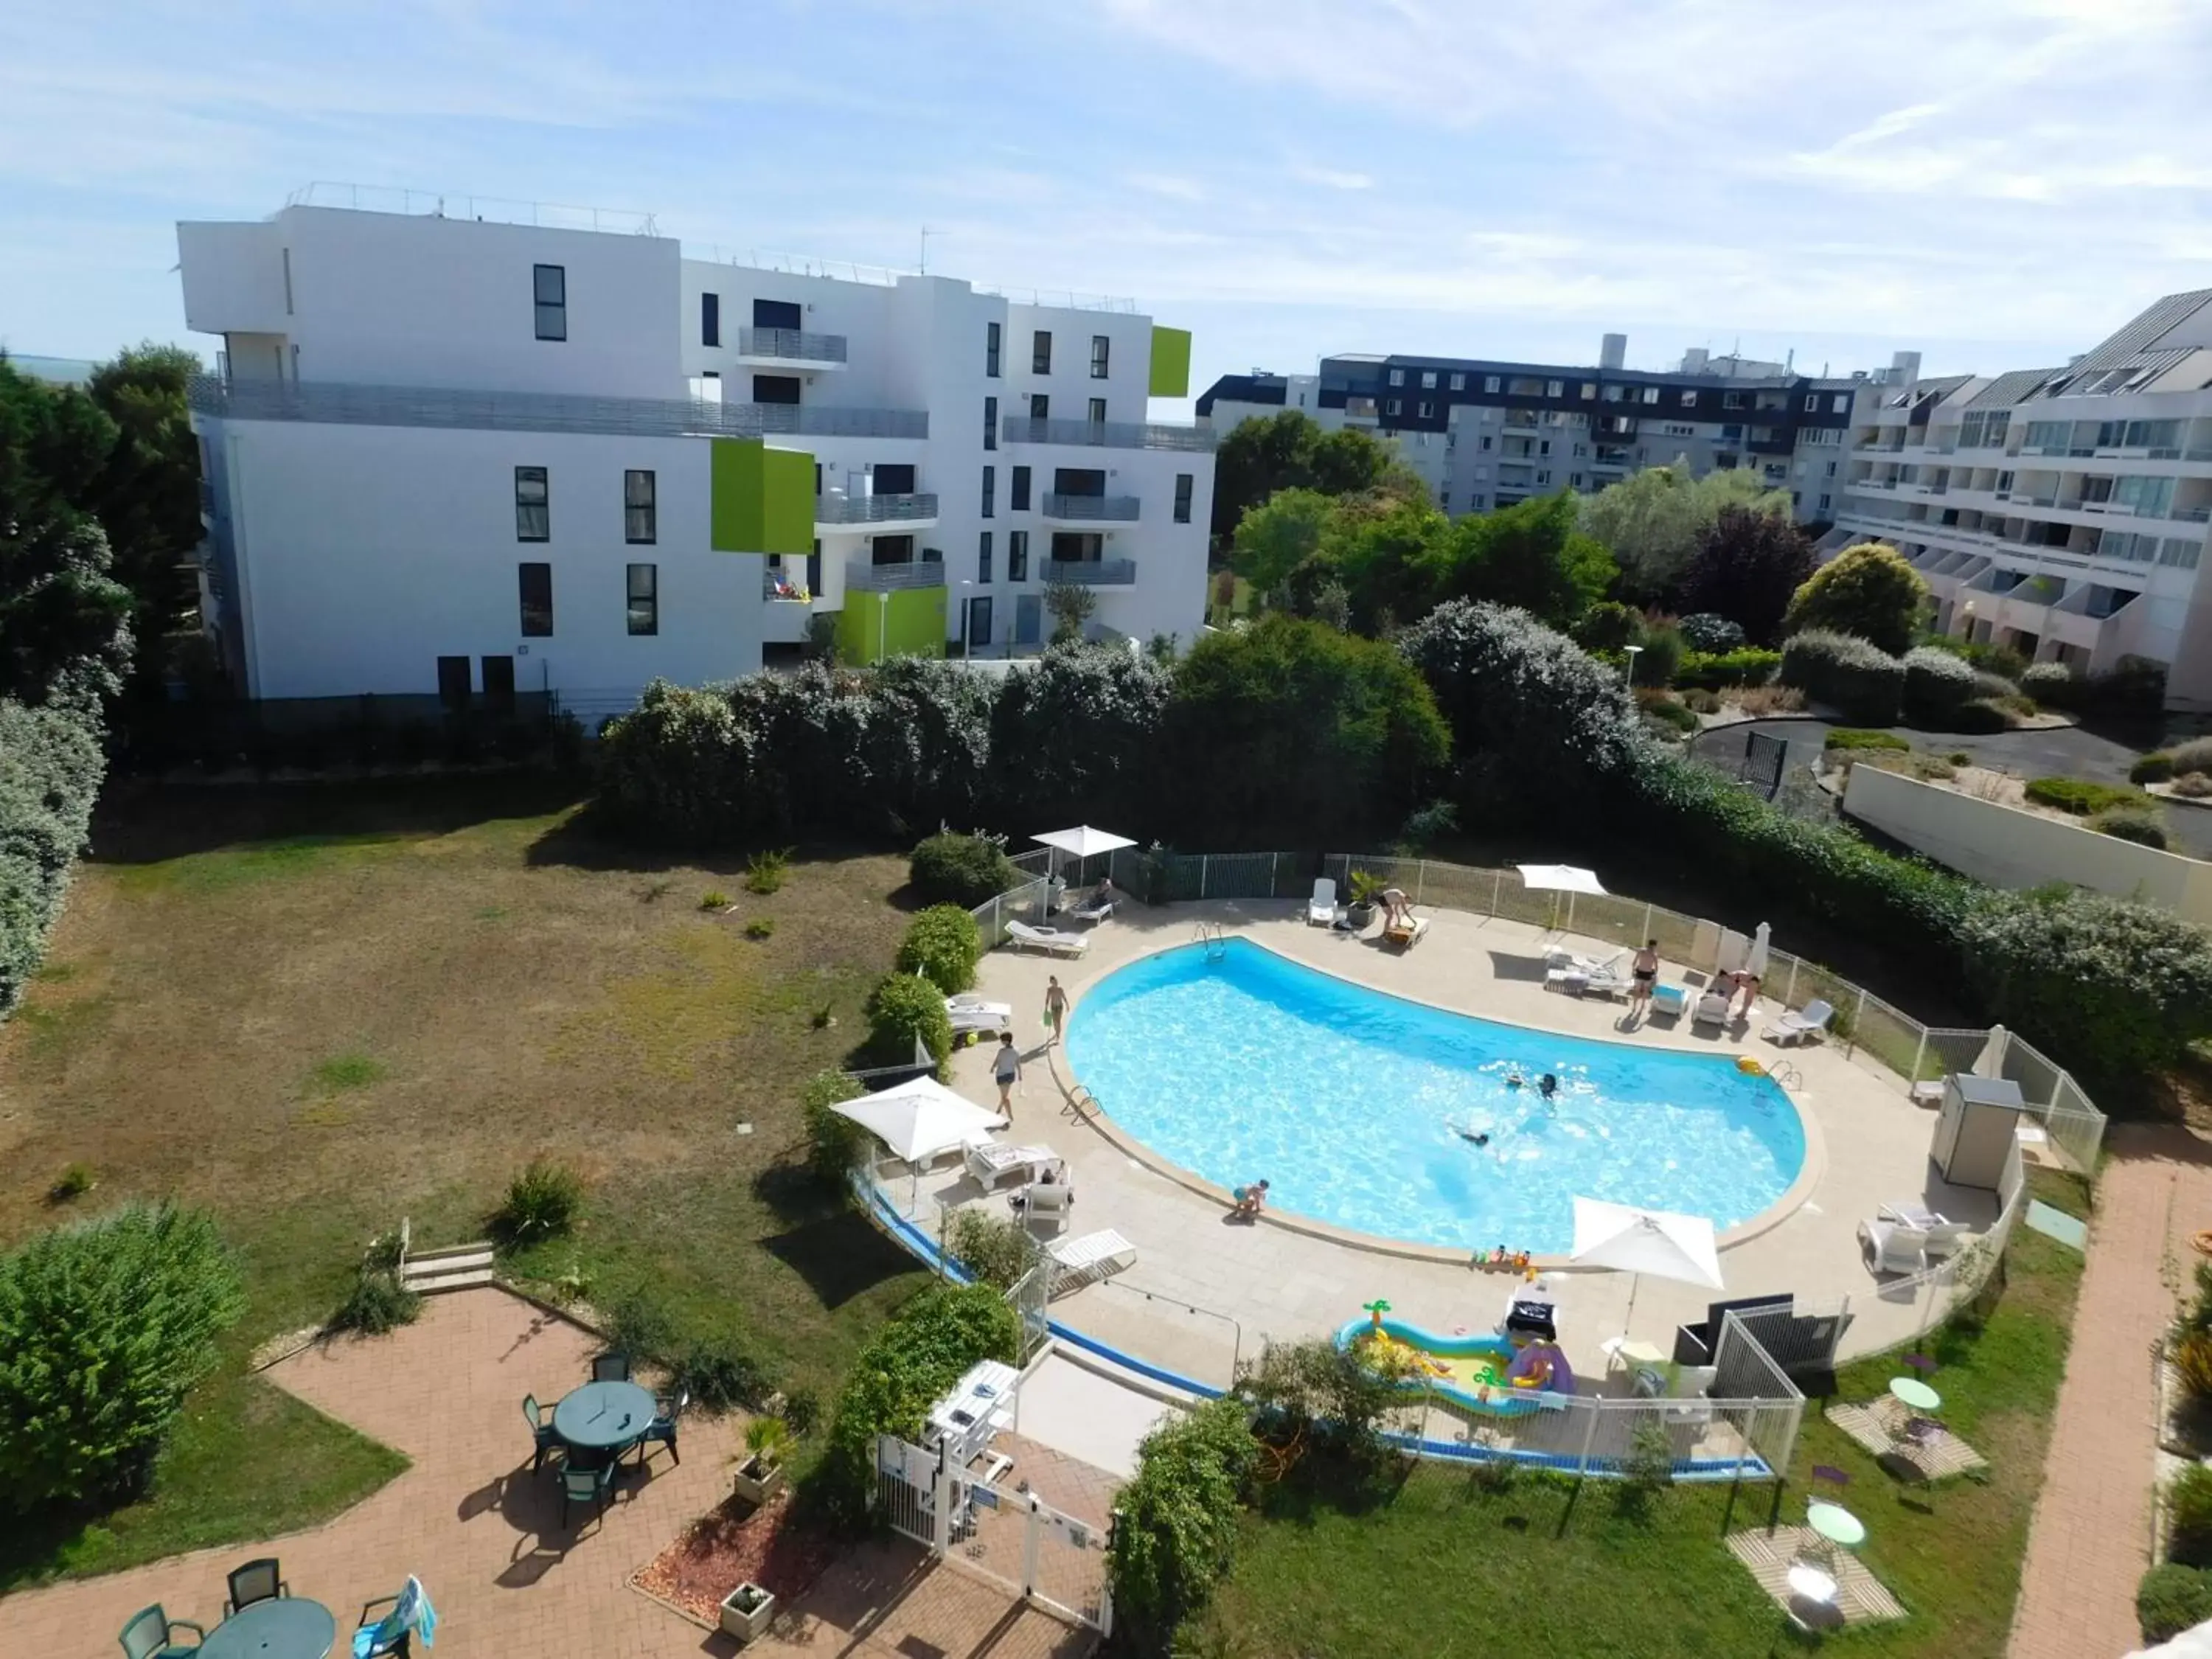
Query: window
{"points": [[1489, 383], [1555, 388], [784, 316], [1020, 502], [990, 422], [775, 388], [1588, 389], [533, 505], [1040, 406], [1100, 345], [1842, 403], [1184, 484], [1732, 400], [1443, 499], [1575, 479], [644, 592], [287, 282], [990, 350], [550, 285], [453, 683], [1832, 469], [1397, 377], [1824, 504], [1812, 402], [1428, 379], [1097, 411], [1426, 410], [1690, 398], [1041, 352], [640, 518], [1485, 441], [1017, 556], [1394, 406], [710, 320], [536, 583], [1614, 394], [1650, 394], [1459, 383], [983, 559], [990, 492], [499, 684]]}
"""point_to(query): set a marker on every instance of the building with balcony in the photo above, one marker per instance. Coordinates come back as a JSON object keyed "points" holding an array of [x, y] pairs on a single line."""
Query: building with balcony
{"points": [[1486, 434], [447, 457], [2060, 511]]}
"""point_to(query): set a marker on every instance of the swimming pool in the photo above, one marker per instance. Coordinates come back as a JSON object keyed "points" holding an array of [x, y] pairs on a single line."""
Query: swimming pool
{"points": [[1350, 1102]]}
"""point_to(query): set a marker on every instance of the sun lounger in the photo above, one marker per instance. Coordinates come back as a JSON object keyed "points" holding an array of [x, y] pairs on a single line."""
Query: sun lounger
{"points": [[1406, 935], [1090, 1258], [991, 1161], [1944, 1236], [1911, 1212], [970, 1012], [1669, 999], [1712, 1010], [1047, 938], [1093, 913], [1892, 1247], [1045, 1205], [1795, 1028], [1321, 908], [1573, 962]]}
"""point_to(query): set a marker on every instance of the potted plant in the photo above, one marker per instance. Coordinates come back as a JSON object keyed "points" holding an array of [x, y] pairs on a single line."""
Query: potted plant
{"points": [[760, 1473], [747, 1609], [1366, 893]]}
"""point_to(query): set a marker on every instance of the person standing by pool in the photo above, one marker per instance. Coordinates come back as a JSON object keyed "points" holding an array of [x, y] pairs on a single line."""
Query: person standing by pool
{"points": [[1056, 1007], [1007, 1067], [1643, 972]]}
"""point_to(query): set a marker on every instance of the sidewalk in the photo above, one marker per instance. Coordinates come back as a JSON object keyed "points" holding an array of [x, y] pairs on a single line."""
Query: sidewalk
{"points": [[2090, 1540]]}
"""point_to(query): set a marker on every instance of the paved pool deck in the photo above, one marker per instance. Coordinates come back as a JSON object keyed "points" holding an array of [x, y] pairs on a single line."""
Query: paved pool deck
{"points": [[1206, 1291]]}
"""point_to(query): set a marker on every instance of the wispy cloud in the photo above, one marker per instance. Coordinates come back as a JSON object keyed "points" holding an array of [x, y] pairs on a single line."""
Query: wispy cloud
{"points": [[1334, 177], [1169, 184]]}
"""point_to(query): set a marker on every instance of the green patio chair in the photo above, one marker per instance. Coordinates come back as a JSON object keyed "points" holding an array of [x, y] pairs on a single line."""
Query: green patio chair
{"points": [[541, 1425], [610, 1368], [152, 1634], [256, 1581], [667, 1408], [584, 1486]]}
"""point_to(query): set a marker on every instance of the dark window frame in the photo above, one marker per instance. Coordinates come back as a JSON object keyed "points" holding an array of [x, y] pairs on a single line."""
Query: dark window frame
{"points": [[533, 520], [641, 518], [1017, 556], [1097, 412], [1018, 492], [990, 422], [536, 608], [1040, 405], [993, 341], [1186, 486], [454, 699], [549, 312], [649, 599], [990, 492], [1041, 351], [710, 320], [983, 560], [1101, 346]]}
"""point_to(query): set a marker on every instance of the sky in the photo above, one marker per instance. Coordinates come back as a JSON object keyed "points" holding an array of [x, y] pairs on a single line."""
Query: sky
{"points": [[1996, 184]]}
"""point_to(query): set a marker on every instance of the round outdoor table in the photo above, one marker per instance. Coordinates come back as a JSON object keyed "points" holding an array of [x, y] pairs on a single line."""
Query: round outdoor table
{"points": [[602, 1416], [1911, 1391], [283, 1627], [1836, 1523]]}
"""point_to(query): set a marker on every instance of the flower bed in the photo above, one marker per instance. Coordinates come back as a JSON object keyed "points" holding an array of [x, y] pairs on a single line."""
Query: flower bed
{"points": [[734, 1544]]}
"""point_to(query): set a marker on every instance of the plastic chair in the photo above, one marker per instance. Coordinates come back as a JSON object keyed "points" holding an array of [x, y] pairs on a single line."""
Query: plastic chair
{"points": [[584, 1486], [393, 1628], [610, 1368], [256, 1581], [541, 1426], [665, 1410], [152, 1634]]}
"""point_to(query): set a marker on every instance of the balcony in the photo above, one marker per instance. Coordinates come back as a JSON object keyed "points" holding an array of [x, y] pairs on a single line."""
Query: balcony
{"points": [[1103, 434], [1088, 509], [861, 576], [776, 348], [834, 513], [1092, 572]]}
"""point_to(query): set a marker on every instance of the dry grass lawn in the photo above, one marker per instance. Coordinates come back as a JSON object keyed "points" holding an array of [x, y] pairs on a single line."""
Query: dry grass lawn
{"points": [[316, 1009]]}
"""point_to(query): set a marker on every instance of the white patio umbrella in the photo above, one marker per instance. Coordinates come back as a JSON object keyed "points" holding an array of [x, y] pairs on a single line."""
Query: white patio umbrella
{"points": [[1081, 842], [919, 1120], [1556, 878], [1638, 1242], [1755, 964], [2194, 1643]]}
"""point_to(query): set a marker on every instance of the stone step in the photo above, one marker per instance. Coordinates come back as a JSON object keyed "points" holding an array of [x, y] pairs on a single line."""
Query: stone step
{"points": [[429, 1283], [452, 1255]]}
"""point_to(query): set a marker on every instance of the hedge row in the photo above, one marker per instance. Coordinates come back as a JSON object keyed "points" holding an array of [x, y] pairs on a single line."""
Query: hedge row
{"points": [[1175, 1530], [1859, 681], [51, 766], [1701, 671]]}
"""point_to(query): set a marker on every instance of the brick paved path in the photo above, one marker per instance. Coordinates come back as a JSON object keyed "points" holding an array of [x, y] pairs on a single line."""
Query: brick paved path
{"points": [[2090, 1540]]}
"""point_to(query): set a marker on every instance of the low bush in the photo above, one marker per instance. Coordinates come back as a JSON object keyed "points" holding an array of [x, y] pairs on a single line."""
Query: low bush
{"points": [[2170, 1599], [2189, 1516], [1662, 657], [2193, 786], [1710, 633], [2195, 755], [74, 1183], [542, 1202], [2145, 829], [1980, 719], [943, 944], [1663, 709], [962, 870], [1336, 1401], [1863, 683], [51, 766], [1935, 685], [1608, 625], [761, 927], [2157, 767], [1849, 736], [765, 870], [834, 1142], [1713, 672], [105, 1326], [894, 1380], [714, 899], [2134, 686], [1701, 703], [2053, 684], [1174, 1531], [993, 1249], [905, 1009], [1762, 701], [1996, 687], [2190, 1353], [2080, 797], [377, 1303], [718, 1372]]}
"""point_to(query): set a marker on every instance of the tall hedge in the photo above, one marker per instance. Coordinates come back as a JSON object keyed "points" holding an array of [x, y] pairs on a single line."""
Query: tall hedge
{"points": [[1175, 1533], [1937, 684], [51, 766], [1859, 680]]}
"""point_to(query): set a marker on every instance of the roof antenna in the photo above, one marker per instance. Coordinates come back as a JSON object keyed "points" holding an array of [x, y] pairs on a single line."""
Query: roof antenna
{"points": [[925, 250]]}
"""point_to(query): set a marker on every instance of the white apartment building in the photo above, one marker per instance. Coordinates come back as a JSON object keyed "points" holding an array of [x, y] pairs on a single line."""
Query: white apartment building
{"points": [[446, 457], [2060, 511]]}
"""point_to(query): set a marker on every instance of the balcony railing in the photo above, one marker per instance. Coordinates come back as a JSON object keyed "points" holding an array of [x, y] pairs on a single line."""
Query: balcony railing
{"points": [[873, 509], [1103, 434], [861, 575], [1092, 573], [1090, 509], [791, 345], [345, 403]]}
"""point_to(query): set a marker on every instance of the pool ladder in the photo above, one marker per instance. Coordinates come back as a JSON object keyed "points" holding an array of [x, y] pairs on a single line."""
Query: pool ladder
{"points": [[1210, 934], [1787, 1075]]}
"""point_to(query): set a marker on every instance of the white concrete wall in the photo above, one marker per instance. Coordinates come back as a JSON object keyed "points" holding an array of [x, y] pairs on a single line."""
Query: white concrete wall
{"points": [[232, 277], [2007, 846], [366, 553]]}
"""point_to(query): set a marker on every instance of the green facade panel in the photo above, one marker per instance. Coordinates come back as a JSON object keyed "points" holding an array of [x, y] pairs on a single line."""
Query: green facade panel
{"points": [[763, 498], [907, 623], [1170, 376]]}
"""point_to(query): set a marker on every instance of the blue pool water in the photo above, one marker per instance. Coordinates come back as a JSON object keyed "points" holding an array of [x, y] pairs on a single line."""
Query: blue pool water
{"points": [[1348, 1101]]}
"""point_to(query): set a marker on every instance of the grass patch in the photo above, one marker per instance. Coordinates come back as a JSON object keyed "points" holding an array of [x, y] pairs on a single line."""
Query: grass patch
{"points": [[347, 1070], [285, 859], [1414, 1567]]}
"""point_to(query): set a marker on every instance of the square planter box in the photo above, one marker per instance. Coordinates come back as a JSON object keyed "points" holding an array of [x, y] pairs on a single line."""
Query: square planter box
{"points": [[756, 1484], [746, 1611]]}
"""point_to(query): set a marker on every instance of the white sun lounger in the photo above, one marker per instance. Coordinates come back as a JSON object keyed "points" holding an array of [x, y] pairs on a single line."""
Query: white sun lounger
{"points": [[970, 1012], [1712, 1010], [1090, 1258], [1321, 908], [1574, 963], [1049, 939], [1942, 1236], [992, 1161], [1795, 1028], [1893, 1248]]}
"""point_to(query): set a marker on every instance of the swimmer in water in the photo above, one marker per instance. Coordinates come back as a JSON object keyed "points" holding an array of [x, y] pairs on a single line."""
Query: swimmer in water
{"points": [[1547, 1086], [1513, 1079], [1479, 1136]]}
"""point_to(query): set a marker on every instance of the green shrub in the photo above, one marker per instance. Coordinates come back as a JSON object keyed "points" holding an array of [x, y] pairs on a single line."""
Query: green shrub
{"points": [[905, 1009], [1662, 707], [1174, 1531], [962, 870], [51, 766], [714, 899], [1337, 1402], [1608, 626], [835, 1144], [1711, 634], [1701, 703], [74, 1183], [1744, 665], [2170, 1599], [1867, 591], [893, 1381], [2189, 1511], [802, 1410], [761, 927], [2145, 829], [2053, 684], [718, 1372], [377, 1303], [1935, 685], [2195, 755], [2080, 797], [2136, 685], [943, 944], [1861, 682], [765, 870], [993, 1249], [1978, 719], [1850, 737], [2157, 767], [1662, 657], [542, 1202], [640, 1325], [105, 1326]]}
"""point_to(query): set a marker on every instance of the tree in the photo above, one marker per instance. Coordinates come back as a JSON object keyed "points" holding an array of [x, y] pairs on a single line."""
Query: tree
{"points": [[147, 494], [61, 614], [1289, 451], [1277, 535], [1867, 591], [1383, 548], [1747, 566], [1530, 556], [1653, 521], [1070, 604]]}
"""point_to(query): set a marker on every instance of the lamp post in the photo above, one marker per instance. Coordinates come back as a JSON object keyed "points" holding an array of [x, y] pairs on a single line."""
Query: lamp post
{"points": [[1632, 652], [882, 623], [967, 623], [1966, 621]]}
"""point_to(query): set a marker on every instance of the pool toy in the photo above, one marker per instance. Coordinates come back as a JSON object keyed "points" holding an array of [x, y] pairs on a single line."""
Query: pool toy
{"points": [[1378, 1308], [1471, 1373], [1749, 1066]]}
